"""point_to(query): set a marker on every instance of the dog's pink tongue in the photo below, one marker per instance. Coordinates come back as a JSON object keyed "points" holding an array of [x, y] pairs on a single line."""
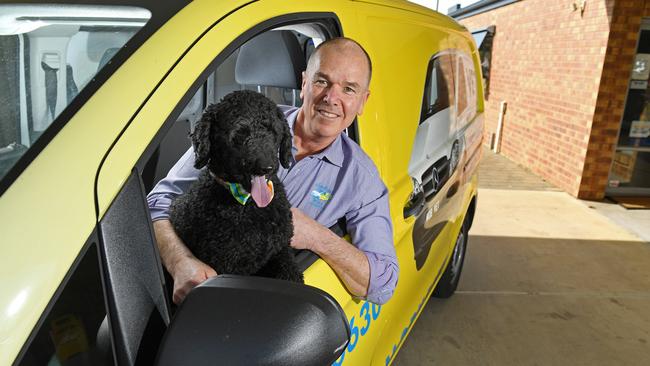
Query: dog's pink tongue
{"points": [[260, 191]]}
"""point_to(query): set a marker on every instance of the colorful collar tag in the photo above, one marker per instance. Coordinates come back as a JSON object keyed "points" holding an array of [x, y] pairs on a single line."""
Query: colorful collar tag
{"points": [[261, 193], [238, 191]]}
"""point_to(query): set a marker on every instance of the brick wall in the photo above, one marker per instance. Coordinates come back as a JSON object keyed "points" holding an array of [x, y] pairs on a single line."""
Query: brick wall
{"points": [[547, 63]]}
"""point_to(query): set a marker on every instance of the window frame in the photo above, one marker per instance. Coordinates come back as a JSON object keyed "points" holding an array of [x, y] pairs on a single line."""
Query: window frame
{"points": [[331, 26], [204, 76]]}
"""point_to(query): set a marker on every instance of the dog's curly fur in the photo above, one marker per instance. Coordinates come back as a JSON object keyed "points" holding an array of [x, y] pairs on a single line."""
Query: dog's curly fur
{"points": [[236, 139]]}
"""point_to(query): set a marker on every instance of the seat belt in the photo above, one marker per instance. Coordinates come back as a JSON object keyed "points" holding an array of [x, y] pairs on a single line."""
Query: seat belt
{"points": [[70, 85], [50, 62]]}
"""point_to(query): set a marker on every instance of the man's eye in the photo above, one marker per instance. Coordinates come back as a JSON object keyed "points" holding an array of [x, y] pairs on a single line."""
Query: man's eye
{"points": [[320, 82], [348, 90]]}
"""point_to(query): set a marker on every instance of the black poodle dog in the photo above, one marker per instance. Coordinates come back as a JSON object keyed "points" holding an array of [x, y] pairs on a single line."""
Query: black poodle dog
{"points": [[225, 226]]}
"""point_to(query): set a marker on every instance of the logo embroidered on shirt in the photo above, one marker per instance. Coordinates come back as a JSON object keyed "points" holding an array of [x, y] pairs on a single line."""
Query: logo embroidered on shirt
{"points": [[320, 195]]}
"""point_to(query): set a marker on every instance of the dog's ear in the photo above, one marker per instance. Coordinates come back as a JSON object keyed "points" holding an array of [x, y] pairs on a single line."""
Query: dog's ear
{"points": [[282, 127], [201, 139]]}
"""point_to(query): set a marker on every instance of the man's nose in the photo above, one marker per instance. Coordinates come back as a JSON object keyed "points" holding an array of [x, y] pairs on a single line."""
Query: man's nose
{"points": [[333, 95]]}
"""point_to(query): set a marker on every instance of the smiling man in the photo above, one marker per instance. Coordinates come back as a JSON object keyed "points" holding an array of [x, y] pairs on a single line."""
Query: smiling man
{"points": [[332, 94], [330, 178]]}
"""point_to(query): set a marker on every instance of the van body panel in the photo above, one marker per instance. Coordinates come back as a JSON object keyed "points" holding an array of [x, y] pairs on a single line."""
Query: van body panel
{"points": [[55, 193], [74, 181]]}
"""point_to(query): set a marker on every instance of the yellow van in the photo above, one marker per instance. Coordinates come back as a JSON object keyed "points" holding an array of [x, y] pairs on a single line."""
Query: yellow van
{"points": [[97, 104]]}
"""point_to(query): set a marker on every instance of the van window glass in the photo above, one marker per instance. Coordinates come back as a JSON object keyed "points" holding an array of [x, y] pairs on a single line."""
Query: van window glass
{"points": [[223, 81], [47, 55], [69, 333], [226, 80]]}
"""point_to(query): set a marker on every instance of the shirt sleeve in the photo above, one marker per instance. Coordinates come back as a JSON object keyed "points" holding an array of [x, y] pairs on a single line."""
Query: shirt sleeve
{"points": [[177, 181], [371, 230]]}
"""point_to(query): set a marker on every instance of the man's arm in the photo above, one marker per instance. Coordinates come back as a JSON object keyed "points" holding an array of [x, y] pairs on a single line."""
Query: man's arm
{"points": [[186, 269], [371, 230], [368, 267], [349, 263]]}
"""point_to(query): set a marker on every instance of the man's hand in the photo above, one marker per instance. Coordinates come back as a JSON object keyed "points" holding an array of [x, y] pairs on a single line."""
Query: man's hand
{"points": [[349, 263], [186, 270], [189, 272]]}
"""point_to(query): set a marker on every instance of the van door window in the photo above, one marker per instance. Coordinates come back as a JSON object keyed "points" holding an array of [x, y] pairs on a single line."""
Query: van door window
{"points": [[248, 69], [282, 85], [49, 54]]}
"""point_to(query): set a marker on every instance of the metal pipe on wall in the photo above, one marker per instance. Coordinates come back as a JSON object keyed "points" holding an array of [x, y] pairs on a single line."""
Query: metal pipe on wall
{"points": [[498, 136]]}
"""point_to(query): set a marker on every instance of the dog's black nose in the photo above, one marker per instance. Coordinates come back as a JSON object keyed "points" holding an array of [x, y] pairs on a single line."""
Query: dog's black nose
{"points": [[267, 170]]}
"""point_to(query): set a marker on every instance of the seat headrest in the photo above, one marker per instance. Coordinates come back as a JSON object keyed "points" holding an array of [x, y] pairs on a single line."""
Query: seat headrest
{"points": [[273, 58]]}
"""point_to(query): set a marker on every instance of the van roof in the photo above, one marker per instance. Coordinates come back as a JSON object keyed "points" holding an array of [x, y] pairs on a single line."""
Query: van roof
{"points": [[444, 20]]}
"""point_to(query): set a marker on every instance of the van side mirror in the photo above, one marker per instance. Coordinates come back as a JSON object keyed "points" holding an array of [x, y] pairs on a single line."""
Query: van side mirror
{"points": [[240, 320]]}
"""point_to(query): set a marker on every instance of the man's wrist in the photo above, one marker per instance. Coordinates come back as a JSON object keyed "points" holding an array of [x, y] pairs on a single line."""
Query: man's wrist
{"points": [[177, 262], [321, 239]]}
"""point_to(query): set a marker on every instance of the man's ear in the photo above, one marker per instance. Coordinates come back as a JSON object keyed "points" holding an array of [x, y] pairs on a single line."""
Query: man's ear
{"points": [[302, 85], [363, 104], [201, 140], [286, 140]]}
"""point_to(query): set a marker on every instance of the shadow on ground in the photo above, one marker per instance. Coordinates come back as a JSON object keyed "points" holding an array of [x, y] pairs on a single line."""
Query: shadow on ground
{"points": [[539, 301]]}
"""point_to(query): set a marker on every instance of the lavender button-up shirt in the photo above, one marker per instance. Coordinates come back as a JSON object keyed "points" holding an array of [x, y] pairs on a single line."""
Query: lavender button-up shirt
{"points": [[341, 181]]}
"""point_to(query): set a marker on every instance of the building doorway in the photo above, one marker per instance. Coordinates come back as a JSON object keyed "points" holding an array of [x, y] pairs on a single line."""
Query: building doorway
{"points": [[630, 171]]}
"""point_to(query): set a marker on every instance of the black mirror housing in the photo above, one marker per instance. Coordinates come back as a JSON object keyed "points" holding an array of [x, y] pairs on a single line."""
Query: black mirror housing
{"points": [[240, 320]]}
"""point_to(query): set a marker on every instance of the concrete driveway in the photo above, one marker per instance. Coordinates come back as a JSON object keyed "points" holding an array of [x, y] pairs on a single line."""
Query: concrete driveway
{"points": [[548, 280]]}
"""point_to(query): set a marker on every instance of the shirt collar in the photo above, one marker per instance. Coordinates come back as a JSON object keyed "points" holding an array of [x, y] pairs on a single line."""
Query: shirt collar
{"points": [[333, 153]]}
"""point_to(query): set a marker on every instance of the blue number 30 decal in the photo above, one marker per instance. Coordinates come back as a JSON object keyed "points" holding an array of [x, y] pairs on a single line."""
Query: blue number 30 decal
{"points": [[367, 315]]}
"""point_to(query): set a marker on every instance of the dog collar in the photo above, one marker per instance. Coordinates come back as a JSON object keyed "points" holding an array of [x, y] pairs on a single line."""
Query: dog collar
{"points": [[237, 190]]}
